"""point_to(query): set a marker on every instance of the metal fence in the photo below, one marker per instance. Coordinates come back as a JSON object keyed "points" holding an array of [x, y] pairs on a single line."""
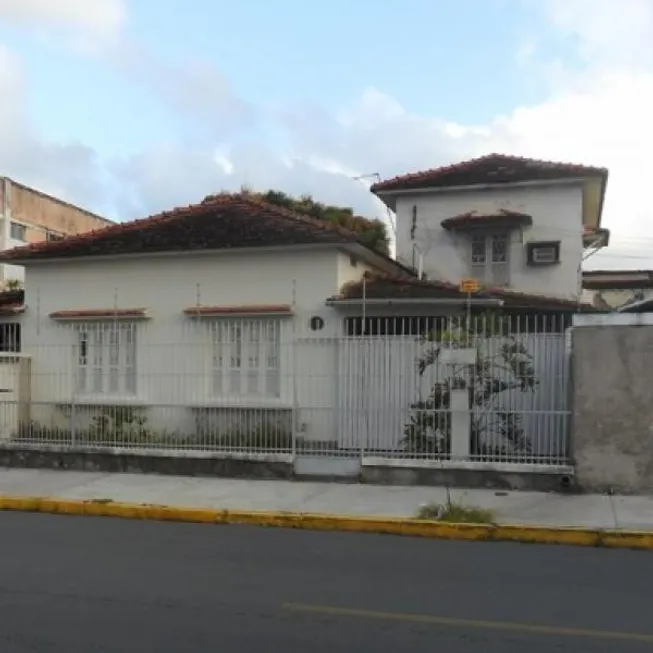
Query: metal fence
{"points": [[380, 386]]}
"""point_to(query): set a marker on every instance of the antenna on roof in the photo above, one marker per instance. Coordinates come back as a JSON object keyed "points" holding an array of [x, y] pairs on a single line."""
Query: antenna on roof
{"points": [[391, 219]]}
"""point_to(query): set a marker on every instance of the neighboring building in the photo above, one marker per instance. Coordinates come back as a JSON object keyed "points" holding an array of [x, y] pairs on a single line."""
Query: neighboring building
{"points": [[29, 216], [612, 289], [506, 221]]}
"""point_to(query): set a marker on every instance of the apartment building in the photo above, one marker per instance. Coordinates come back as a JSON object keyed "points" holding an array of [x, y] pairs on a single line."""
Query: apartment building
{"points": [[30, 216]]}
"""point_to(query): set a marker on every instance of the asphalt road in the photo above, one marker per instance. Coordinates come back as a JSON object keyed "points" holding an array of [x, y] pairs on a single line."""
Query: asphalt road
{"points": [[81, 585]]}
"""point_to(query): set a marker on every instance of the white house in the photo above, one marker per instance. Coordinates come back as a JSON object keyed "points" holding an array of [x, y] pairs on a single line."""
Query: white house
{"points": [[505, 221], [213, 306], [236, 325]]}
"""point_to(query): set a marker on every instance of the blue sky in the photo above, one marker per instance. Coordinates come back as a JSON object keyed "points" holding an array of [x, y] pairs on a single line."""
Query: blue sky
{"points": [[132, 106], [290, 52]]}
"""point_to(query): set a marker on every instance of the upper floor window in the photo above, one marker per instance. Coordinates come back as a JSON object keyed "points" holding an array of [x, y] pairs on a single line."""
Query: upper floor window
{"points": [[490, 258], [106, 358], [246, 357], [18, 231]]}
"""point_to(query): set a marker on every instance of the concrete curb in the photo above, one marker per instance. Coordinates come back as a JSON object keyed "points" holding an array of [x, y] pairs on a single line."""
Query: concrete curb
{"points": [[618, 539]]}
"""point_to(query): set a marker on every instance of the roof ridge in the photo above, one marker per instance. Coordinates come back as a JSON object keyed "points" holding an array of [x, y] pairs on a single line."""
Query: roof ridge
{"points": [[290, 214], [187, 211], [461, 166]]}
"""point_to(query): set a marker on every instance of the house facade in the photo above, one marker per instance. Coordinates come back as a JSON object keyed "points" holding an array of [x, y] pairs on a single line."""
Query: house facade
{"points": [[29, 216], [241, 327], [206, 313], [504, 221]]}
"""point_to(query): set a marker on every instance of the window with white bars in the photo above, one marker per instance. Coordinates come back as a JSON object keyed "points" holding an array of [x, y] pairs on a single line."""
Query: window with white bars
{"points": [[105, 358], [489, 258], [246, 357]]}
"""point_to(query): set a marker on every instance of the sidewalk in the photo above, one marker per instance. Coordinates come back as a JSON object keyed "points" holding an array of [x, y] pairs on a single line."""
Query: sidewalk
{"points": [[524, 508]]}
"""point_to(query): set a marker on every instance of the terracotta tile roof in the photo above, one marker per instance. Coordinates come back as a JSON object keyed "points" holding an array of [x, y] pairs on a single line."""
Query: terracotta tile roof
{"points": [[617, 279], [475, 218], [12, 309], [222, 221], [12, 302], [100, 313], [11, 297], [380, 287], [489, 169], [250, 309]]}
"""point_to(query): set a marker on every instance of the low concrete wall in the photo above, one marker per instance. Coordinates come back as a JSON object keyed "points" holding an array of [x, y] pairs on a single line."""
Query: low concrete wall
{"points": [[282, 466], [613, 402], [475, 478], [176, 463]]}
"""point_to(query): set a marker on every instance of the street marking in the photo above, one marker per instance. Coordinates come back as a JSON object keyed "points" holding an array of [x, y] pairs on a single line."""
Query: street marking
{"points": [[470, 623]]}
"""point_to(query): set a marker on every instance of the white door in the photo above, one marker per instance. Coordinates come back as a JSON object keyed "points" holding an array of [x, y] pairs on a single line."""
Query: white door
{"points": [[9, 378]]}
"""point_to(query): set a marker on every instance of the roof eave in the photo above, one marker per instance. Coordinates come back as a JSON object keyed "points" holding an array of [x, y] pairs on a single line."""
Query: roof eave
{"points": [[44, 260], [388, 196], [414, 301], [380, 261]]}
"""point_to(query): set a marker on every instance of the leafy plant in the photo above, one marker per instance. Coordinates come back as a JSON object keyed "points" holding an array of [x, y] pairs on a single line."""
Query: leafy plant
{"points": [[456, 513], [265, 437], [372, 232], [501, 363], [119, 424]]}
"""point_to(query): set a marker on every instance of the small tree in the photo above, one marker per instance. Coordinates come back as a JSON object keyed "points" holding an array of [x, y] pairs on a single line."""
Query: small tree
{"points": [[13, 284], [502, 363]]}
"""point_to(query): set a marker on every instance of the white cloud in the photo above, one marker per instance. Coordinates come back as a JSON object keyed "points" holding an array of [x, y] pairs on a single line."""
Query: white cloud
{"points": [[69, 170], [607, 32], [92, 18]]}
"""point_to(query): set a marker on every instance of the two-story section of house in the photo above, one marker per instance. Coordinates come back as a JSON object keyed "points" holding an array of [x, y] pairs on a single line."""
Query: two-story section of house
{"points": [[30, 216], [505, 221]]}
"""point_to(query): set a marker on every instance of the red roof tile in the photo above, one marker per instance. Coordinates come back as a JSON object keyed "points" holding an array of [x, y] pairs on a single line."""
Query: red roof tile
{"points": [[489, 169], [474, 218], [100, 313], [380, 287], [12, 309], [250, 309], [8, 297], [222, 221]]}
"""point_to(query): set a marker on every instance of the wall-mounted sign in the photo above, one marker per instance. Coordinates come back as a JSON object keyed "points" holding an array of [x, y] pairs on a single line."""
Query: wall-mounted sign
{"points": [[469, 286]]}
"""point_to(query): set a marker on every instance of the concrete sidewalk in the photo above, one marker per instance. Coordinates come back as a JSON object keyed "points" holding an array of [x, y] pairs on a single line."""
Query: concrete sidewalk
{"points": [[528, 508]]}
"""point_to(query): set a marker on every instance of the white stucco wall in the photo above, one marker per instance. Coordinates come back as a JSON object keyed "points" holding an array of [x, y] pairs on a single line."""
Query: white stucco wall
{"points": [[173, 350], [557, 215], [350, 269]]}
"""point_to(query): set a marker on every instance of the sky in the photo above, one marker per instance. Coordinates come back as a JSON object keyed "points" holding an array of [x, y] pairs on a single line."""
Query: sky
{"points": [[129, 107]]}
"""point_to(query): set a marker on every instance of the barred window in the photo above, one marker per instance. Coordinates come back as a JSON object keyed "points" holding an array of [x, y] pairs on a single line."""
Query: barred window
{"points": [[246, 357], [9, 337], [106, 358]]}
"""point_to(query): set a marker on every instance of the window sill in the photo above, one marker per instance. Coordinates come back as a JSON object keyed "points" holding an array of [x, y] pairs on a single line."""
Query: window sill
{"points": [[542, 264], [241, 402]]}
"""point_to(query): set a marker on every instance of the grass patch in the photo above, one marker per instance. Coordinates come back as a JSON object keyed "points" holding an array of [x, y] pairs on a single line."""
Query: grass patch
{"points": [[456, 513]]}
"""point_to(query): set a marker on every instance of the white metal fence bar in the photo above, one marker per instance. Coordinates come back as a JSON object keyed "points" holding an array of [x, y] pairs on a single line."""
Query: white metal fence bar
{"points": [[387, 387]]}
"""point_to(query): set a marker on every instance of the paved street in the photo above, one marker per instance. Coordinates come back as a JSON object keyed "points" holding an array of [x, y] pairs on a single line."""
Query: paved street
{"points": [[79, 585]]}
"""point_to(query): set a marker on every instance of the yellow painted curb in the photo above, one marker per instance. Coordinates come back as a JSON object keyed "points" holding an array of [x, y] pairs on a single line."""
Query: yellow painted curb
{"points": [[324, 522]]}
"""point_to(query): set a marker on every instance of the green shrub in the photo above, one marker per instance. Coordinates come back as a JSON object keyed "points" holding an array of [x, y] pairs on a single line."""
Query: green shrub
{"points": [[456, 513]]}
